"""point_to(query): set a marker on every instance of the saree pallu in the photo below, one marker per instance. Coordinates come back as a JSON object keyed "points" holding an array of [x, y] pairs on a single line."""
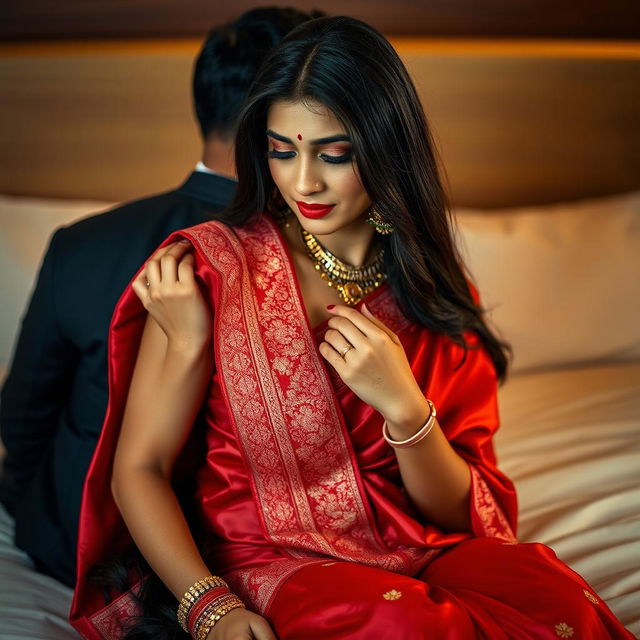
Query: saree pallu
{"points": [[299, 496]]}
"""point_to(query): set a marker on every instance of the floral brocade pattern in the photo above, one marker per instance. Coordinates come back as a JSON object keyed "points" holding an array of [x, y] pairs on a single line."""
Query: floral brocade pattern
{"points": [[303, 472], [493, 521], [563, 630], [109, 621]]}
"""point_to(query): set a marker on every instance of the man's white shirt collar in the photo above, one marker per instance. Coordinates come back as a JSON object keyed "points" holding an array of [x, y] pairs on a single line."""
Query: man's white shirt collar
{"points": [[202, 168]]}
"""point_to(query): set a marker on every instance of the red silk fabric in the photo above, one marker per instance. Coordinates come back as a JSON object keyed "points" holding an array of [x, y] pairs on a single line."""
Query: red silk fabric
{"points": [[296, 473], [480, 589]]}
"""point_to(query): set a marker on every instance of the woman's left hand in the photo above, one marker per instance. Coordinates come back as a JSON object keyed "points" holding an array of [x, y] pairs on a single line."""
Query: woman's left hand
{"points": [[371, 361]]}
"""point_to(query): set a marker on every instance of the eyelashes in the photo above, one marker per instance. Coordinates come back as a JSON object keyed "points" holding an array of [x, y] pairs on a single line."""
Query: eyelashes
{"points": [[285, 155], [280, 155], [345, 157]]}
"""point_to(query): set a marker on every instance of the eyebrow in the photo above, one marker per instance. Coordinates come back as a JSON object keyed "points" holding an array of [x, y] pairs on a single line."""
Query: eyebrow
{"points": [[340, 137]]}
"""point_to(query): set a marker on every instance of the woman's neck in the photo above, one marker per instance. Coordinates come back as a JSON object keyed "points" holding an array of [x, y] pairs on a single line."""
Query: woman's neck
{"points": [[354, 244]]}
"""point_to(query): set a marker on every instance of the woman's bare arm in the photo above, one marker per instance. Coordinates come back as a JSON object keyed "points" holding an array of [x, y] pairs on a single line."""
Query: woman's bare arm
{"points": [[165, 395], [170, 379], [435, 476]]}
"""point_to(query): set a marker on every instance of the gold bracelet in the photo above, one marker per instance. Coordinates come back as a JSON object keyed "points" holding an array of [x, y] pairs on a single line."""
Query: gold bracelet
{"points": [[205, 617], [211, 608], [202, 619], [422, 433], [213, 617], [193, 593]]}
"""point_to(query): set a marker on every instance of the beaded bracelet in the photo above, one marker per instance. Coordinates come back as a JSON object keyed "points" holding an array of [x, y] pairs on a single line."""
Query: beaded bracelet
{"points": [[205, 613], [193, 594], [214, 616], [422, 433], [205, 602]]}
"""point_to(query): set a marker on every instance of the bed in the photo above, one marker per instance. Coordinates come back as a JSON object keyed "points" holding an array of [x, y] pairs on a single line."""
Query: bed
{"points": [[542, 147]]}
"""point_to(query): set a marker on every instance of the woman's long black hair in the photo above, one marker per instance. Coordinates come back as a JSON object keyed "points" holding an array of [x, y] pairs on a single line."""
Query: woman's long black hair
{"points": [[349, 67]]}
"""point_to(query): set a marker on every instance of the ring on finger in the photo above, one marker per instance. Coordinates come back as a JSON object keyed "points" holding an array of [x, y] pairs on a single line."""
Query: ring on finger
{"points": [[344, 351]]}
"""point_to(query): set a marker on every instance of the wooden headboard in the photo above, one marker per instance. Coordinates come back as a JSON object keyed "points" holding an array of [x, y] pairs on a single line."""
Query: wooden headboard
{"points": [[517, 122]]}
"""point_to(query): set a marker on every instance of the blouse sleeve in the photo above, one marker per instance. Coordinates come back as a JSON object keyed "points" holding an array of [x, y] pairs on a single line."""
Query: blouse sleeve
{"points": [[464, 389]]}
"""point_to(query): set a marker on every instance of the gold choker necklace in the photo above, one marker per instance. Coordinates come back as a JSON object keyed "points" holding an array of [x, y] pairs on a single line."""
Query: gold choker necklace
{"points": [[352, 283]]}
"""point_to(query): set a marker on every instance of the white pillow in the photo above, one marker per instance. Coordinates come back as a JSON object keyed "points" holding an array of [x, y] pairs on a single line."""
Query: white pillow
{"points": [[25, 227], [561, 282]]}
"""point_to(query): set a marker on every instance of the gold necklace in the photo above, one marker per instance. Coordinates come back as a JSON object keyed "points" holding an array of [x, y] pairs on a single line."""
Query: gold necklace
{"points": [[351, 283]]}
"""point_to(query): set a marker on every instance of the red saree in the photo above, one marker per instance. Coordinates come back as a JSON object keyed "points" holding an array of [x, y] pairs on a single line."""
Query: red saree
{"points": [[301, 498]]}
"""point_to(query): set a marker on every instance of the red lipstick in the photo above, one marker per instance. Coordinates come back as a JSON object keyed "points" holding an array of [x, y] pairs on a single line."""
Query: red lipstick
{"points": [[314, 211]]}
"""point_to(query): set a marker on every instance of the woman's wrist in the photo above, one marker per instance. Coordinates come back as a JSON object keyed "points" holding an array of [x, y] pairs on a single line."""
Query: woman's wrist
{"points": [[408, 419], [205, 603], [417, 436]]}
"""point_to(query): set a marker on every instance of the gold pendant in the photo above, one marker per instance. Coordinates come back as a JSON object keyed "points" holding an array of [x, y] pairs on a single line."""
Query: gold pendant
{"points": [[351, 283], [351, 293]]}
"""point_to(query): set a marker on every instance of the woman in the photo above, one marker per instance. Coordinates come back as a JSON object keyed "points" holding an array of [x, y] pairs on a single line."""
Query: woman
{"points": [[333, 501]]}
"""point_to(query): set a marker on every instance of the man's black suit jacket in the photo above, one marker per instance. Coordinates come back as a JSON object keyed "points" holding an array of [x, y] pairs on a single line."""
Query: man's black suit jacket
{"points": [[55, 396]]}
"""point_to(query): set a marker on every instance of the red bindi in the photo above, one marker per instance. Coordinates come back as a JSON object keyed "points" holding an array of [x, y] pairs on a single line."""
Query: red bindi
{"points": [[299, 136]]}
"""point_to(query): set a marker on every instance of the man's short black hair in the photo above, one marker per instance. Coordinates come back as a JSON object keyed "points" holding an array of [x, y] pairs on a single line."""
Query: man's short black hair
{"points": [[229, 60]]}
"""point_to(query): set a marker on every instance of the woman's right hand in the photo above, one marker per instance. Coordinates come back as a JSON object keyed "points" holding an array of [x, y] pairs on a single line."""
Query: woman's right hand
{"points": [[170, 293], [241, 624]]}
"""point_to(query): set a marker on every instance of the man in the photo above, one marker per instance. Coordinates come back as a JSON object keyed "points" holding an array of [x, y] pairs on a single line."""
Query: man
{"points": [[55, 396]]}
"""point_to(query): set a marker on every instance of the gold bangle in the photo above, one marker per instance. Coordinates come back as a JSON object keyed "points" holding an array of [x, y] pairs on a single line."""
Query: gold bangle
{"points": [[422, 433], [200, 622], [214, 616], [211, 610], [193, 593]]}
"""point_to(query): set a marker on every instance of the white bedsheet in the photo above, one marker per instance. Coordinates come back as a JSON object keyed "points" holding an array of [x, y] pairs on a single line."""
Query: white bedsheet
{"points": [[570, 439], [32, 606]]}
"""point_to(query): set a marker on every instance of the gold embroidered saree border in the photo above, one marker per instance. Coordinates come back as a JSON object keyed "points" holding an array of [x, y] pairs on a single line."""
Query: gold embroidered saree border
{"points": [[493, 521], [304, 475]]}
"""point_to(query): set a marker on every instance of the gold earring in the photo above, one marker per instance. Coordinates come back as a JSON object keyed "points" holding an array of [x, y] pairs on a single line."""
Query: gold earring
{"points": [[382, 227]]}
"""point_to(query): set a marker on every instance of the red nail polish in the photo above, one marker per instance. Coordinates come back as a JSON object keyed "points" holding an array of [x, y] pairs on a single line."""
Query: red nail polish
{"points": [[330, 306]]}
